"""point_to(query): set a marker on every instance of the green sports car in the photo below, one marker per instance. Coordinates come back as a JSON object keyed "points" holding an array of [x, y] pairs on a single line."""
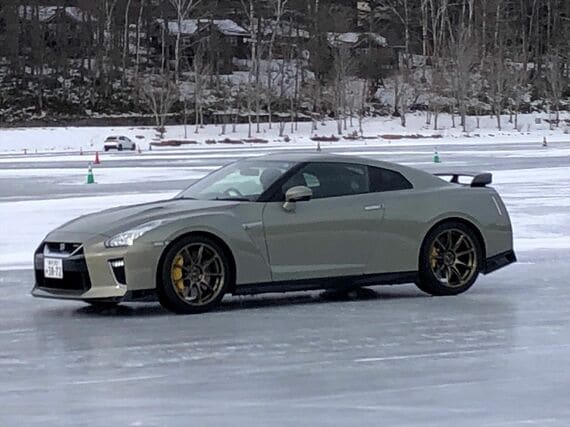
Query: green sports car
{"points": [[286, 222]]}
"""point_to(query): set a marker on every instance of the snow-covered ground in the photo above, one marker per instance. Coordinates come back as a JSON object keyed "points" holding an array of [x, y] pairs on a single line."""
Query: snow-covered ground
{"points": [[531, 127]]}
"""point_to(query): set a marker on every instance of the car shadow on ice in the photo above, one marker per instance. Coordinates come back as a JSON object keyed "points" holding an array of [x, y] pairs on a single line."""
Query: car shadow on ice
{"points": [[236, 303], [403, 294]]}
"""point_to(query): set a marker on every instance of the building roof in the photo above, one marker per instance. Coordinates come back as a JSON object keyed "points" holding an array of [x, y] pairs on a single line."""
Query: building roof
{"points": [[48, 13], [192, 26], [354, 39]]}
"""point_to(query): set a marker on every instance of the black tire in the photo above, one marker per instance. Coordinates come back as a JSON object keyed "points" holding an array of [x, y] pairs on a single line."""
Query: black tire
{"points": [[429, 267], [106, 148], [133, 147], [120, 147], [169, 297]]}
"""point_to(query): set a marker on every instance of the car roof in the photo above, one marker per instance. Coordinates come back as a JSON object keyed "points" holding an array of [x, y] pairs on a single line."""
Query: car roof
{"points": [[420, 179], [301, 157]]}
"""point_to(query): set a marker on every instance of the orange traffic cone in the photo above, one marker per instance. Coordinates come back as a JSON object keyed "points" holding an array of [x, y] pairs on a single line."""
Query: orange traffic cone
{"points": [[97, 161]]}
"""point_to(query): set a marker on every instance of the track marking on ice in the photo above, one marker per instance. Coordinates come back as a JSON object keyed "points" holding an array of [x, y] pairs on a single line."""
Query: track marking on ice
{"points": [[455, 353], [116, 380]]}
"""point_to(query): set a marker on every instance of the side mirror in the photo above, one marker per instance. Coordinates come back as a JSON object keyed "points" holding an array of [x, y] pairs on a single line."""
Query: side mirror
{"points": [[296, 194]]}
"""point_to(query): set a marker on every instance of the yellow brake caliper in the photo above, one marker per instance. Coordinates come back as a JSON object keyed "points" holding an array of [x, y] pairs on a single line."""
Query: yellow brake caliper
{"points": [[177, 274], [433, 257]]}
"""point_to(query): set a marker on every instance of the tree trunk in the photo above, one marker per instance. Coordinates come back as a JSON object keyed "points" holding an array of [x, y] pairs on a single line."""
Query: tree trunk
{"points": [[126, 41], [177, 50], [139, 24], [498, 115]]}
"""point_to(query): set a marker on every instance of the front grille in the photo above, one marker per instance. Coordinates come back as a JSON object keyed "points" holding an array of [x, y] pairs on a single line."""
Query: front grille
{"points": [[60, 249], [75, 273]]}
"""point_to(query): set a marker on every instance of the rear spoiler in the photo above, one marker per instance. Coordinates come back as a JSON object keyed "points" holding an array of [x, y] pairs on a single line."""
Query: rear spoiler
{"points": [[480, 179]]}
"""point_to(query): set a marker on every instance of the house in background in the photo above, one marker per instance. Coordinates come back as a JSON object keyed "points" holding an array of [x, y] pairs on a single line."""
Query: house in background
{"points": [[368, 49], [285, 35], [63, 29], [218, 40]]}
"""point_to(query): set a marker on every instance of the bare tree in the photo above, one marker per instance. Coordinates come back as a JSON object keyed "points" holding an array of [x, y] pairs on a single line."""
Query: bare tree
{"points": [[138, 43], [126, 39], [496, 82], [252, 96], [401, 10], [403, 86], [159, 95], [518, 91], [279, 10], [343, 65], [554, 80], [201, 70], [109, 10], [463, 56], [183, 9]]}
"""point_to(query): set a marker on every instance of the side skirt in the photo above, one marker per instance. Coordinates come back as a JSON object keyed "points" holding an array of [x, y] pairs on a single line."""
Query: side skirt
{"points": [[499, 261], [343, 282]]}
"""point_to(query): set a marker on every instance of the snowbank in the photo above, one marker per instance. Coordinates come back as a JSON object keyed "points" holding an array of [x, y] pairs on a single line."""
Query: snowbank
{"points": [[382, 130]]}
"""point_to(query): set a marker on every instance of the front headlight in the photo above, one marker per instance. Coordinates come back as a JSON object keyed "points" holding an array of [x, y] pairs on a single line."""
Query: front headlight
{"points": [[127, 238]]}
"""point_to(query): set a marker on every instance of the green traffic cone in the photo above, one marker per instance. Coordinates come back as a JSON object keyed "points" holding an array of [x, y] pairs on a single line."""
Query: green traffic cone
{"points": [[436, 158], [90, 177]]}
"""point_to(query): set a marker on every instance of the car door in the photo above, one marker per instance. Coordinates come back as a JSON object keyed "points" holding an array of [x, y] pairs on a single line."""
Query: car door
{"points": [[396, 249], [329, 235]]}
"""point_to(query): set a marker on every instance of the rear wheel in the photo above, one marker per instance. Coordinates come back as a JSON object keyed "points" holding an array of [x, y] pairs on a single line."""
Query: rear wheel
{"points": [[451, 259], [195, 275], [133, 147]]}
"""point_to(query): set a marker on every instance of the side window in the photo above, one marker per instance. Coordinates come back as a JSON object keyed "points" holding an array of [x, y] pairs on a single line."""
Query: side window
{"points": [[387, 180], [331, 179], [311, 180]]}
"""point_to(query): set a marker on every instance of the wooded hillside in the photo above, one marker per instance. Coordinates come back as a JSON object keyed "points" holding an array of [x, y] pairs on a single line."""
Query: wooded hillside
{"points": [[159, 61]]}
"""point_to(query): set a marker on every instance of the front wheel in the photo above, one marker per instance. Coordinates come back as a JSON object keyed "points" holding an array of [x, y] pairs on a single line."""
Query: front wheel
{"points": [[120, 147], [450, 260], [194, 276]]}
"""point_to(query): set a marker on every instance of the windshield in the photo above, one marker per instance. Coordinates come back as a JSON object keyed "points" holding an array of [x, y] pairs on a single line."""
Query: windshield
{"points": [[242, 181]]}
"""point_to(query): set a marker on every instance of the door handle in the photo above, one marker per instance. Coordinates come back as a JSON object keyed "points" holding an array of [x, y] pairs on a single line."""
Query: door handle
{"points": [[374, 207]]}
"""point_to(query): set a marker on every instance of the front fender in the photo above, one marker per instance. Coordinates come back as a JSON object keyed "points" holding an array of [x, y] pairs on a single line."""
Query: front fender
{"points": [[240, 229]]}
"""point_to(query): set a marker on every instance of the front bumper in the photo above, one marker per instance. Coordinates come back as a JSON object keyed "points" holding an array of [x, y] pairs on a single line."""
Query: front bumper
{"points": [[93, 272]]}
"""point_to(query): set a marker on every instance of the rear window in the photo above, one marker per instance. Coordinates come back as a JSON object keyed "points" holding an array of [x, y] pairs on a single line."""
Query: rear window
{"points": [[387, 180], [111, 138]]}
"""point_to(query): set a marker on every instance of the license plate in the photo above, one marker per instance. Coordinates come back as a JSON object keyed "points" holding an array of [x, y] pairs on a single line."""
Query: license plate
{"points": [[53, 268]]}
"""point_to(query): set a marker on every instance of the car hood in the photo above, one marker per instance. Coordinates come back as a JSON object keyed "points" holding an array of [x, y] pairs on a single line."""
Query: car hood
{"points": [[112, 221]]}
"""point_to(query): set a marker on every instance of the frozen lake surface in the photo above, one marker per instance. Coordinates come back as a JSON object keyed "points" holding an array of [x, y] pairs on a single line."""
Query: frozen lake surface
{"points": [[497, 355]]}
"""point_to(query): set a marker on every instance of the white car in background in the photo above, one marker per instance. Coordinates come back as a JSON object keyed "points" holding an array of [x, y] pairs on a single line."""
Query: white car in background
{"points": [[119, 143]]}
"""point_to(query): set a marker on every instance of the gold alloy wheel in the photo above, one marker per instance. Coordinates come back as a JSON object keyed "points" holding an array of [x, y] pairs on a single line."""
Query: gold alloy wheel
{"points": [[197, 274], [453, 258]]}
